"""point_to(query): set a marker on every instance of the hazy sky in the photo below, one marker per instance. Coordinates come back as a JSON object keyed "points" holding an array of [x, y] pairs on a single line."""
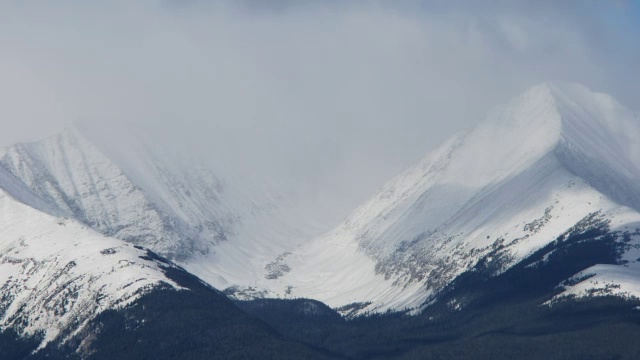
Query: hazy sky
{"points": [[339, 94]]}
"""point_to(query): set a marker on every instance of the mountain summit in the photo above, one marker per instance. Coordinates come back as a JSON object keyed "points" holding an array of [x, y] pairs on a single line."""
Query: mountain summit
{"points": [[551, 160], [124, 185]]}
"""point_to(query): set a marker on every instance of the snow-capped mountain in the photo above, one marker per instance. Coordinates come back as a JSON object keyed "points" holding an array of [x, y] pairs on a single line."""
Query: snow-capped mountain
{"points": [[69, 292], [72, 175], [56, 275], [552, 160], [555, 159], [218, 224]]}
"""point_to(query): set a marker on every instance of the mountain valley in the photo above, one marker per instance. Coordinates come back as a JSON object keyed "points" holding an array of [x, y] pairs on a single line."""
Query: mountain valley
{"points": [[523, 231]]}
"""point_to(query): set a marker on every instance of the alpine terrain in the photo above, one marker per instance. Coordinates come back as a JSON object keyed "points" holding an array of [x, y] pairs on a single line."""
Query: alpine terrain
{"points": [[69, 292], [556, 160], [521, 233]]}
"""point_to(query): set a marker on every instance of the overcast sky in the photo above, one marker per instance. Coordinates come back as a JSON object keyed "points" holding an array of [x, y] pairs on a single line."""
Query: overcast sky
{"points": [[342, 94]]}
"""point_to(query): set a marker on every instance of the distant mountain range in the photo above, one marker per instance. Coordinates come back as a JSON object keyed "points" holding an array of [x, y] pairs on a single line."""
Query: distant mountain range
{"points": [[538, 202]]}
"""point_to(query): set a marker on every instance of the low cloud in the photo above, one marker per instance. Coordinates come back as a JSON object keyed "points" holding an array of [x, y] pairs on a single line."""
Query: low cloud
{"points": [[338, 96]]}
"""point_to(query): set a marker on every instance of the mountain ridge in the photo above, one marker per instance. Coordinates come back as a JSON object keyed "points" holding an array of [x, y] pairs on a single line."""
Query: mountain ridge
{"points": [[136, 191], [517, 180], [56, 275], [505, 184]]}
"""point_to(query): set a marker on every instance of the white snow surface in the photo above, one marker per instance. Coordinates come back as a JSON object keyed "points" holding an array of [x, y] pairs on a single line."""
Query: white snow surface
{"points": [[604, 280], [520, 178], [56, 274], [81, 182]]}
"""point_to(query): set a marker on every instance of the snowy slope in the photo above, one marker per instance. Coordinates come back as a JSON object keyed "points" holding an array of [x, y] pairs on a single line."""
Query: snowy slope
{"points": [[520, 178], [73, 175], [56, 274], [239, 223], [223, 227]]}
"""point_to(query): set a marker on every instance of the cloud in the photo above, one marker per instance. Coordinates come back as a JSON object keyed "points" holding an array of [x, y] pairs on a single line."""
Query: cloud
{"points": [[339, 96]]}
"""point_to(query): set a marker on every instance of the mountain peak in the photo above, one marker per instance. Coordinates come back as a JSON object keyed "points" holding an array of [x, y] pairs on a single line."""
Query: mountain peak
{"points": [[590, 133], [581, 127], [530, 171], [574, 104], [561, 91]]}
